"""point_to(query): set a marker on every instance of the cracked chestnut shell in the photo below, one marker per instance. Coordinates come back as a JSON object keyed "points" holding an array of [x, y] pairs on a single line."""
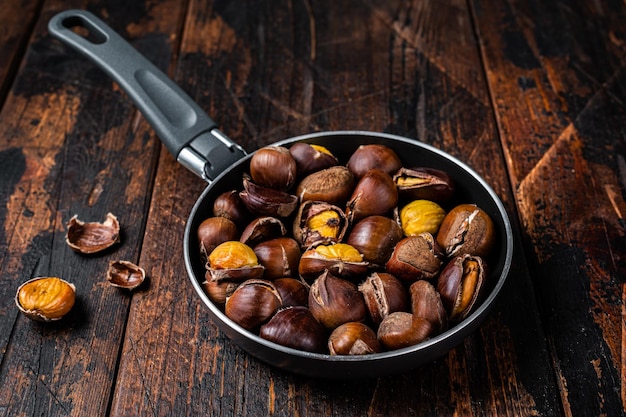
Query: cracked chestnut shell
{"points": [[461, 285], [280, 257], [332, 185], [374, 194], [125, 274], [266, 201], [45, 298], [383, 294], [375, 237], [253, 303], [416, 257], [466, 229], [426, 303], [262, 229], [353, 338], [92, 237], [319, 222], [295, 327], [335, 301], [424, 183], [401, 329], [340, 259]]}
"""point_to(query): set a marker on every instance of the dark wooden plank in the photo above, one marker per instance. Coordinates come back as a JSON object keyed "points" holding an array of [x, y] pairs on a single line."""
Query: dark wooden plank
{"points": [[270, 70], [556, 72], [74, 145], [16, 23]]}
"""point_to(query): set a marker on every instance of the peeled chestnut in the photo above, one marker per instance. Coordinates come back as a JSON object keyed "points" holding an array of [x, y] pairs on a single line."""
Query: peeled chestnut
{"points": [[373, 156], [319, 222], [295, 327], [253, 303], [340, 259], [415, 257], [213, 231], [383, 294], [273, 167], [467, 229], [280, 257], [266, 201], [426, 303], [353, 338], [421, 216], [461, 285], [424, 184], [235, 261], [311, 158], [45, 298], [401, 329], [335, 301], [374, 194], [332, 185], [375, 237]]}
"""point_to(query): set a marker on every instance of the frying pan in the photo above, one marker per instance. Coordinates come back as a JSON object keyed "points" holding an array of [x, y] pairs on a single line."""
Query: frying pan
{"points": [[193, 138]]}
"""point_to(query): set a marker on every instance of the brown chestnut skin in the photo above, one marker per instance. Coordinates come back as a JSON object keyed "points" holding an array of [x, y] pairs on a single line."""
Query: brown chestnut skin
{"points": [[218, 291], [295, 327], [466, 229], [373, 156], [383, 294], [424, 183], [229, 205], [292, 291], [335, 301], [374, 194], [213, 231], [375, 237], [353, 338], [414, 258], [253, 303], [426, 303], [332, 185], [267, 201], [262, 229], [311, 158], [461, 285], [273, 167], [279, 256], [401, 329]]}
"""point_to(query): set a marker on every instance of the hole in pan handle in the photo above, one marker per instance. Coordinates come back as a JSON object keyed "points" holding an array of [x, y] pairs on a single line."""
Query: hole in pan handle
{"points": [[185, 129]]}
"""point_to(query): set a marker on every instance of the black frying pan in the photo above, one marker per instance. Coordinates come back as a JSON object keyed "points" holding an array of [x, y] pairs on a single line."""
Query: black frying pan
{"points": [[193, 138]]}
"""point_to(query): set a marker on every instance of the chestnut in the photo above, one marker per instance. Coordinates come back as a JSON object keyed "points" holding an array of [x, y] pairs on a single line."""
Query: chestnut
{"points": [[383, 294], [235, 261], [45, 298], [253, 303], [219, 291], [335, 301], [332, 185], [401, 329], [311, 158], [295, 327], [214, 231], [416, 257], [292, 291], [280, 257], [421, 216], [319, 222], [375, 237], [374, 194], [340, 259], [353, 338], [426, 303], [373, 156], [424, 183], [273, 167], [461, 285], [229, 205], [466, 229], [261, 229]]}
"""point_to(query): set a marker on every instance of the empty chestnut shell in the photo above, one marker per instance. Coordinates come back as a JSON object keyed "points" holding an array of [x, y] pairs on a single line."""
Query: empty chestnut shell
{"points": [[92, 237], [125, 274], [295, 327], [266, 201], [261, 229]]}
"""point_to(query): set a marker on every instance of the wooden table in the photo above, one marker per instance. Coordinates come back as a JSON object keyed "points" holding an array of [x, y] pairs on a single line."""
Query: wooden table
{"points": [[531, 94]]}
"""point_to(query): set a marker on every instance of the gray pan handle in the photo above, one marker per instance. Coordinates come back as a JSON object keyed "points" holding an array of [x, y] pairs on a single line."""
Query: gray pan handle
{"points": [[185, 129]]}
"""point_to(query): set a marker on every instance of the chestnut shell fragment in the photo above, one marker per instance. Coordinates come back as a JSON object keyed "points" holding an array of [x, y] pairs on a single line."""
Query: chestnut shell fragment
{"points": [[125, 274], [92, 237]]}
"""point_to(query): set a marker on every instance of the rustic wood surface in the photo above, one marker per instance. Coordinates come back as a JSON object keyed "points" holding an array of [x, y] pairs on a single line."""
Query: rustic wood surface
{"points": [[531, 94]]}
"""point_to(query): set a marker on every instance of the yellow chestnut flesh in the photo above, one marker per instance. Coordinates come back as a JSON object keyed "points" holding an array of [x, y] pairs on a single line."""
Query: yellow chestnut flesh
{"points": [[341, 251], [470, 281], [327, 223], [46, 299], [232, 254], [421, 216]]}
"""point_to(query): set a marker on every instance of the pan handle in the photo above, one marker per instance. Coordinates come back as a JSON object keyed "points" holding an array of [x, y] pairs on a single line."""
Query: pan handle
{"points": [[185, 129]]}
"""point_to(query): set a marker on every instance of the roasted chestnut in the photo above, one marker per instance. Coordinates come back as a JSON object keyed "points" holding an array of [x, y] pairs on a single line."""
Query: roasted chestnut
{"points": [[421, 216], [416, 257], [401, 329], [45, 298], [273, 167], [229, 205], [383, 294], [280, 257], [311, 158], [219, 291], [375, 237], [461, 285], [424, 184], [426, 303], [235, 261], [292, 291], [214, 231], [374, 194], [335, 301], [253, 303], [466, 229], [295, 327], [319, 222], [332, 185], [373, 156], [353, 338], [340, 259], [266, 201]]}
